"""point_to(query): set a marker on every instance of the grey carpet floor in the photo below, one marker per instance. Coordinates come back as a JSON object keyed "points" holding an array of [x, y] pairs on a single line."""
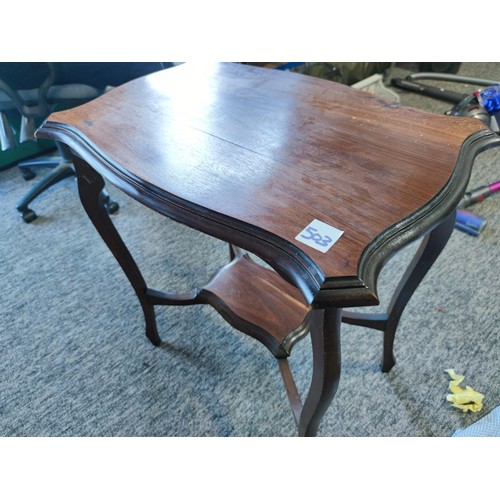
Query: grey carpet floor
{"points": [[75, 362]]}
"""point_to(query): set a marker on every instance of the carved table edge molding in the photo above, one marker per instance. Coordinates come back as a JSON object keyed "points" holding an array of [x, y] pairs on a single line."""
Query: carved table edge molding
{"points": [[285, 258]]}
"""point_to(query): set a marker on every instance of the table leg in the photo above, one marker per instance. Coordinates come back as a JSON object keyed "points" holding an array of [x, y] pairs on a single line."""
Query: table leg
{"points": [[429, 250], [325, 338], [94, 199]]}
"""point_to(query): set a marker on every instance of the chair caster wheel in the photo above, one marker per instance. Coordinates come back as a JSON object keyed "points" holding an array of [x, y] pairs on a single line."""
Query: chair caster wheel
{"points": [[28, 216], [112, 207], [28, 174]]}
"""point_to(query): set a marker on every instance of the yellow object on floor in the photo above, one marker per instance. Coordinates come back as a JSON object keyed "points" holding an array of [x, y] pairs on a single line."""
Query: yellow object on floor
{"points": [[464, 399]]}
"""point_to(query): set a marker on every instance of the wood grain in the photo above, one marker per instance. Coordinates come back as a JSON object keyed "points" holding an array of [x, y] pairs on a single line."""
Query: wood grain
{"points": [[264, 152], [260, 303]]}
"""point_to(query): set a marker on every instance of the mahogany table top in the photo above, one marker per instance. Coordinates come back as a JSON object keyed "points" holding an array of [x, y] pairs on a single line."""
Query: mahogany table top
{"points": [[253, 156]]}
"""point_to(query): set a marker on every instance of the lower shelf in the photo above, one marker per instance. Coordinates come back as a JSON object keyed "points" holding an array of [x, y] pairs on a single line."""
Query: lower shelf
{"points": [[258, 302]]}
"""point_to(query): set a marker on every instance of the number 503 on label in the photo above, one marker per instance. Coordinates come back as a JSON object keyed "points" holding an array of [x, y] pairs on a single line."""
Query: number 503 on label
{"points": [[319, 235]]}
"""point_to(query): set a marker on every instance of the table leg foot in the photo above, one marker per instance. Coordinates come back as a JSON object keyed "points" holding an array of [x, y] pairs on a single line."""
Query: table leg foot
{"points": [[94, 200], [388, 359]]}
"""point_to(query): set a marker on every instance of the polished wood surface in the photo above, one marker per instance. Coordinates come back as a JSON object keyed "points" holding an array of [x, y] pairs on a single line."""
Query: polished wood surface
{"points": [[265, 152], [257, 301]]}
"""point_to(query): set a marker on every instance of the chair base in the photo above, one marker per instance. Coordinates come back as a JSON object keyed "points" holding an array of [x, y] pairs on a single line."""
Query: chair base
{"points": [[42, 161], [63, 169]]}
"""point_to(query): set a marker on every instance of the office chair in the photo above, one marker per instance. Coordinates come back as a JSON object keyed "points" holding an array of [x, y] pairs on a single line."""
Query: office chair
{"points": [[31, 89]]}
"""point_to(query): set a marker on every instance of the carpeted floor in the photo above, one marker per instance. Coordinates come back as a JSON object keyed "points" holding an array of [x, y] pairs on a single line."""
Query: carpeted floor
{"points": [[75, 361]]}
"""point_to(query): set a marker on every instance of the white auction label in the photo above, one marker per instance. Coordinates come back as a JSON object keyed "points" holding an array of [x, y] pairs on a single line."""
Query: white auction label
{"points": [[319, 235]]}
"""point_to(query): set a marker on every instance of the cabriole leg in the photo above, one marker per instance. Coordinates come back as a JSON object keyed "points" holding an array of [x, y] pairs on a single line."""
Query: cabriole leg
{"points": [[325, 338], [430, 248], [94, 199]]}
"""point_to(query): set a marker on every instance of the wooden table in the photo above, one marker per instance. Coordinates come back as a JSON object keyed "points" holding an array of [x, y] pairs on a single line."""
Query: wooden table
{"points": [[322, 182]]}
